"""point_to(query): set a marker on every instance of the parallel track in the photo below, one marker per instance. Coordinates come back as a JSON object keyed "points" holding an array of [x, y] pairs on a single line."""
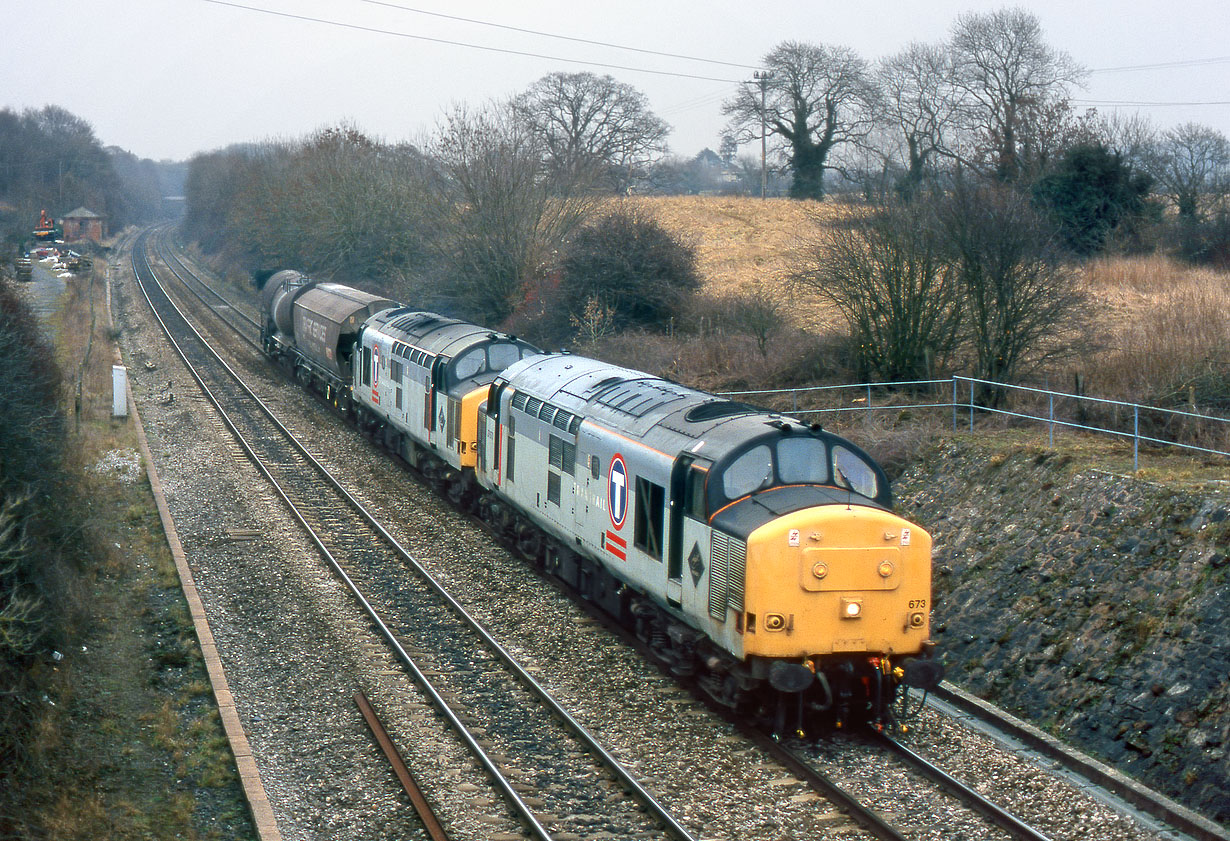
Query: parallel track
{"points": [[795, 760], [516, 712]]}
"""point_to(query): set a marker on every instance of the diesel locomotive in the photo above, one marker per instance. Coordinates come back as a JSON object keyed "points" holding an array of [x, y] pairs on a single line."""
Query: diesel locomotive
{"points": [[757, 555]]}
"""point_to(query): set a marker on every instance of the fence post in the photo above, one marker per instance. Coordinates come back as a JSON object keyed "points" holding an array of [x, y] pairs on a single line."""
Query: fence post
{"points": [[1135, 438], [868, 401], [971, 405], [1051, 398], [794, 401], [954, 403]]}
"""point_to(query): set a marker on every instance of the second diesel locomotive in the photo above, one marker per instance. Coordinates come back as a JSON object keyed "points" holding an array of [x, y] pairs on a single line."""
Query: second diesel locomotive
{"points": [[753, 552]]}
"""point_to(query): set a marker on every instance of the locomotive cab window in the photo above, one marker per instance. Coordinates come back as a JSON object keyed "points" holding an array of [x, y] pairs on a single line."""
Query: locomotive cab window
{"points": [[852, 472], [367, 365], [500, 356], [650, 506], [749, 472], [469, 364], [802, 461]]}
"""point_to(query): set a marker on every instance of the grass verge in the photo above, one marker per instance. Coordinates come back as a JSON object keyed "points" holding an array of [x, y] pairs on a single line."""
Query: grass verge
{"points": [[129, 744]]}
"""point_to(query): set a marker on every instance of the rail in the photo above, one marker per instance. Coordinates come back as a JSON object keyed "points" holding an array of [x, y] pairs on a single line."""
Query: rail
{"points": [[1042, 405]]}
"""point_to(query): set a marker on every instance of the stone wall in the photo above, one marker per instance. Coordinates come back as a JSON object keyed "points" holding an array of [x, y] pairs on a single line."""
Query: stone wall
{"points": [[1092, 604]]}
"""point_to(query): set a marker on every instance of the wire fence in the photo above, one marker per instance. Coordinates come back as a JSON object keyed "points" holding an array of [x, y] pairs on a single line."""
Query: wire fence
{"points": [[968, 397]]}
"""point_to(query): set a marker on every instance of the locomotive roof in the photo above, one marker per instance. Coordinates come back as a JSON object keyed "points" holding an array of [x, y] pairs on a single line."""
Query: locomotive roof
{"points": [[437, 334], [661, 413]]}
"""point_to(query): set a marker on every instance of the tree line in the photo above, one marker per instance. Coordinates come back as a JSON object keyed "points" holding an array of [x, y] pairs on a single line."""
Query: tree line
{"points": [[975, 185], [50, 159]]}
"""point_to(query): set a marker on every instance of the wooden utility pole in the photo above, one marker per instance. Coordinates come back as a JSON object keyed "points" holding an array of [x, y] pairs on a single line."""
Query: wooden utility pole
{"points": [[763, 80]]}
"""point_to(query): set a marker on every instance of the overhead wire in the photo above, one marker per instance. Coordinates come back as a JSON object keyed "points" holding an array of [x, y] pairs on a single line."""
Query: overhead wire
{"points": [[465, 44], [1164, 65], [1144, 103], [681, 107], [479, 22]]}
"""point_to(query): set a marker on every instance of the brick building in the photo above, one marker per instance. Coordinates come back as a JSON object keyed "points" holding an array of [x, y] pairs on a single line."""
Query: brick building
{"points": [[84, 224]]}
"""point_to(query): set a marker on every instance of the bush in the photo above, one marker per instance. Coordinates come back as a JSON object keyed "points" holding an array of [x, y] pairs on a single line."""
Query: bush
{"points": [[40, 536], [888, 274], [628, 268], [1090, 194]]}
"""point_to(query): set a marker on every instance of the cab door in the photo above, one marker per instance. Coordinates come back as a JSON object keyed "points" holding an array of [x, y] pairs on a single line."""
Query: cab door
{"points": [[686, 551]]}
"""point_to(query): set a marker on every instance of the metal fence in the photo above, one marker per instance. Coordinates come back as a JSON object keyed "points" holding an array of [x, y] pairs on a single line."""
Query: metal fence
{"points": [[1139, 422]]}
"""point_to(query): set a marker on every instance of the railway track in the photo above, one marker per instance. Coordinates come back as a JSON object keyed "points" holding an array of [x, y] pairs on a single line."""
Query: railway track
{"points": [[493, 705], [800, 762], [1025, 738]]}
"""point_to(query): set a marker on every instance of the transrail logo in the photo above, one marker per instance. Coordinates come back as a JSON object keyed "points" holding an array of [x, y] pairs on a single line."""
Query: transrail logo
{"points": [[617, 491]]}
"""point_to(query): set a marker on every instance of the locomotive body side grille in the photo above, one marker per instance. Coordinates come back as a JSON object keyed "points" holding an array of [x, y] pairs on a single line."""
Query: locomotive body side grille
{"points": [[719, 583], [737, 573]]}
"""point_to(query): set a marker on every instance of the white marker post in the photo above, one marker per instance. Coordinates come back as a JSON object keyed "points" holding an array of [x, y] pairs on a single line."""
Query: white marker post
{"points": [[119, 391]]}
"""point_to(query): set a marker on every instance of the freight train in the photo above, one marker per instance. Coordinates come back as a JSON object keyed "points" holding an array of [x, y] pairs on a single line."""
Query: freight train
{"points": [[756, 554]]}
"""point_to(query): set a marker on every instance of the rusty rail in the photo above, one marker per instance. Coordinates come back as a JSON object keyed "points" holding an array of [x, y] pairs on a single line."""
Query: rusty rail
{"points": [[428, 816]]}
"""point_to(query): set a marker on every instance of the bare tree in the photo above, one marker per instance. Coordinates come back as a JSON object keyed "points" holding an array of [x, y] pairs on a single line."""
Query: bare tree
{"points": [[1021, 306], [758, 312], [500, 217], [815, 98], [919, 105], [585, 121], [1133, 137], [1191, 163], [1009, 79], [888, 274]]}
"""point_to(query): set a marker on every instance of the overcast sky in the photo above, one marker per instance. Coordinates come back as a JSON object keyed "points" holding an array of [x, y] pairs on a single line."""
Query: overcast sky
{"points": [[168, 78]]}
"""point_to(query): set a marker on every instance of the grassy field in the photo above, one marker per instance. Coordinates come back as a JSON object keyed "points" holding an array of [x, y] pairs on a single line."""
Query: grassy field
{"points": [[1158, 323]]}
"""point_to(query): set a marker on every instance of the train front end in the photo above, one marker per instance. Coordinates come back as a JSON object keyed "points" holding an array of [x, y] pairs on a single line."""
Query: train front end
{"points": [[837, 599], [836, 590]]}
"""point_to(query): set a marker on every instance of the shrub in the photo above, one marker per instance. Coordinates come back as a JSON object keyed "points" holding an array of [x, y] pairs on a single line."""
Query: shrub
{"points": [[627, 264], [40, 536], [1089, 194]]}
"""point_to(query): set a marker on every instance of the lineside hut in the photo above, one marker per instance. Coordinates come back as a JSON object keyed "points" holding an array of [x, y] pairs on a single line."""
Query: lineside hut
{"points": [[84, 224]]}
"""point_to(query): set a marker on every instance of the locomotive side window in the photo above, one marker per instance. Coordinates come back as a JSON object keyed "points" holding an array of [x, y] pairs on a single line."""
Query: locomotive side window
{"points": [[802, 461], [749, 472], [850, 471], [367, 365], [512, 449], [650, 505], [694, 494]]}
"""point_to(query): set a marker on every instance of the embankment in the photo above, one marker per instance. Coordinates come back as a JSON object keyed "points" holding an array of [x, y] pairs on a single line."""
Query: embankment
{"points": [[1093, 604]]}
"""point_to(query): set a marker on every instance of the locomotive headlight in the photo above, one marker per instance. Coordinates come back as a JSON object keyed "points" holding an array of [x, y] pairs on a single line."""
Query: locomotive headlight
{"points": [[885, 569], [851, 608]]}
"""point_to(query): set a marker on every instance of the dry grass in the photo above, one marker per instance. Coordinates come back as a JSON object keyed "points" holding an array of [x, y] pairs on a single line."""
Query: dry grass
{"points": [[1160, 329], [743, 243], [1159, 321], [1164, 330]]}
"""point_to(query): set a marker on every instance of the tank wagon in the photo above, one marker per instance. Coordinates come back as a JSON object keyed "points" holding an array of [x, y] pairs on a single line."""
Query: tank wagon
{"points": [[754, 553]]}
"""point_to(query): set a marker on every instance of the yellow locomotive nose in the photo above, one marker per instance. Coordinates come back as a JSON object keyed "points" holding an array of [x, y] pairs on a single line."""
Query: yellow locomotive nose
{"points": [[837, 579]]}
